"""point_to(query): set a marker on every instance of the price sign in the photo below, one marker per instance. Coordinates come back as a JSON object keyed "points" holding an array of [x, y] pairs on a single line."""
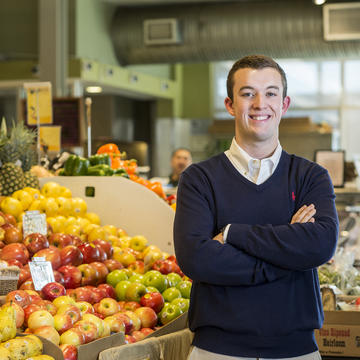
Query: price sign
{"points": [[41, 272], [34, 222]]}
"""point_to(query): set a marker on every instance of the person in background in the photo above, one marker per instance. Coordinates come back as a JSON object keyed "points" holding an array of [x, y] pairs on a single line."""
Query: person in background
{"points": [[180, 159], [251, 227]]}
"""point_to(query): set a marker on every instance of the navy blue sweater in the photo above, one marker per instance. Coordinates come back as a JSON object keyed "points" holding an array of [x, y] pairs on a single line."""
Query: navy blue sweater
{"points": [[258, 294]]}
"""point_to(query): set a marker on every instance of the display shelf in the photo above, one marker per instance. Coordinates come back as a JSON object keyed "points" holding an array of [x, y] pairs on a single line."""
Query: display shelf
{"points": [[125, 204]]}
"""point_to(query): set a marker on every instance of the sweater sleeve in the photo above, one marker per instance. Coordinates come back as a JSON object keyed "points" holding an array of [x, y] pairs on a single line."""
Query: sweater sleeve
{"points": [[204, 259], [299, 246]]}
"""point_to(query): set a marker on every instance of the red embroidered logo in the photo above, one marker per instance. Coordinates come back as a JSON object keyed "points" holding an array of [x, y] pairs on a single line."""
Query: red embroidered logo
{"points": [[293, 196]]}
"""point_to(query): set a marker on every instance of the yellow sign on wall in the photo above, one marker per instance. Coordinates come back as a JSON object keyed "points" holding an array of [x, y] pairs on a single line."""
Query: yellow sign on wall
{"points": [[50, 136], [39, 103]]}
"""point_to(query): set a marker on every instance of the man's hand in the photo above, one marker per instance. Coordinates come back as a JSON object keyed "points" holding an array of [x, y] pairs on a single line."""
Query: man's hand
{"points": [[304, 214], [219, 238]]}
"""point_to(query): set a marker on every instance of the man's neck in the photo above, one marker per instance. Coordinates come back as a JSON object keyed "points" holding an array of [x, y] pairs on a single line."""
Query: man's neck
{"points": [[258, 150]]}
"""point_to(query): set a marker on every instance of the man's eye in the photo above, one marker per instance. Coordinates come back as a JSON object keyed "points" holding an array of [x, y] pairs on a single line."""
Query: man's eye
{"points": [[247, 94], [271, 94]]}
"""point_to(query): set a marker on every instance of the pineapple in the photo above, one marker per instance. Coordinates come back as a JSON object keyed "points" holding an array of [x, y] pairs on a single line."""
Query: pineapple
{"points": [[17, 157]]}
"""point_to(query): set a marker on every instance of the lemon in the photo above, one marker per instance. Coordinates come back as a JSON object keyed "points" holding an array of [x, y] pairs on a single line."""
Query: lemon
{"points": [[121, 233], [94, 218], [54, 224], [88, 228], [35, 205], [11, 206], [49, 206], [98, 233], [83, 222], [51, 189], [24, 197], [111, 229], [73, 229], [65, 192], [35, 193], [60, 221], [65, 205], [79, 207]]}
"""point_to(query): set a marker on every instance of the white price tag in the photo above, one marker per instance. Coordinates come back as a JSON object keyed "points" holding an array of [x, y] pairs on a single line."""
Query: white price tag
{"points": [[41, 272], [34, 222]]}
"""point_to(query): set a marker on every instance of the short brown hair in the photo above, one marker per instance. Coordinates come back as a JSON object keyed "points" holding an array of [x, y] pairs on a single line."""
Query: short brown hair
{"points": [[254, 62]]}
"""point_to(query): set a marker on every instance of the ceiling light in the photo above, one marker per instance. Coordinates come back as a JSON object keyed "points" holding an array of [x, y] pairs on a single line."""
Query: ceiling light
{"points": [[319, 2], [94, 89]]}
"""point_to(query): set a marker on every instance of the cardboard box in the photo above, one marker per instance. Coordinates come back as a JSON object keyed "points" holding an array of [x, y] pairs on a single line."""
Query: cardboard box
{"points": [[177, 324], [340, 334]]}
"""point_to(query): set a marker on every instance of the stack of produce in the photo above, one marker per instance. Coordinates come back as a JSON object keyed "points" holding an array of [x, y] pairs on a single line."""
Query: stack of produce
{"points": [[105, 280], [109, 161], [17, 156]]}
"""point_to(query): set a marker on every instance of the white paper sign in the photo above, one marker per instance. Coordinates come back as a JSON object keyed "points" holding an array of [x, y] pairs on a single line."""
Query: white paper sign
{"points": [[34, 222], [41, 272]]}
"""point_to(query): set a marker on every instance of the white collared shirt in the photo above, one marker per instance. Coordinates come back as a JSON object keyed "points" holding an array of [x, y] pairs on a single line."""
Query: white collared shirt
{"points": [[255, 170]]}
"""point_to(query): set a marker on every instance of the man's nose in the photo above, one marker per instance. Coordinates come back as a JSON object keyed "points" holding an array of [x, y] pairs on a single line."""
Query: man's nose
{"points": [[259, 101]]}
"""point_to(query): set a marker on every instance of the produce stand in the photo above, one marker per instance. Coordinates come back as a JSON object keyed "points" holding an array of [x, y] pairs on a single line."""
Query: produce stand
{"points": [[125, 204]]}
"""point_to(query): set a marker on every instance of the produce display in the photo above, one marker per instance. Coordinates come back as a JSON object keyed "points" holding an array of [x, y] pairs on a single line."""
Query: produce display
{"points": [[105, 280], [109, 161]]}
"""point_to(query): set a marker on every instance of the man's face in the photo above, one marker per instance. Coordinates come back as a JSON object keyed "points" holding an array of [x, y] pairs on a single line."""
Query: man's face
{"points": [[257, 106], [180, 161]]}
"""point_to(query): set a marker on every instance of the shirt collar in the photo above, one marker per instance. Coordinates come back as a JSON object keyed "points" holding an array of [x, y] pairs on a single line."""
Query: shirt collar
{"points": [[243, 158]]}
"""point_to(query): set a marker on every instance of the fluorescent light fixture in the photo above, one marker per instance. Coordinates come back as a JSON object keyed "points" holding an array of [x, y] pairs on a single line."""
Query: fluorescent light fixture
{"points": [[319, 2], [94, 89]]}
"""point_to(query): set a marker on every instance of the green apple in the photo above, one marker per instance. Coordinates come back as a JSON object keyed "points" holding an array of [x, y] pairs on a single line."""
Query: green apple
{"points": [[137, 278], [135, 291], [169, 313], [114, 277], [120, 289], [182, 303], [150, 289], [185, 288], [156, 279], [173, 279], [171, 293]]}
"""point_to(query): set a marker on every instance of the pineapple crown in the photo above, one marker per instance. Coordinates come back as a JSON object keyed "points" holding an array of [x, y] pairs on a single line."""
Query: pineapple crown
{"points": [[19, 145]]}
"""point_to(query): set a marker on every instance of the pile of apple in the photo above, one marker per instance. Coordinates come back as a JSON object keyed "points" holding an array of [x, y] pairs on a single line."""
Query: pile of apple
{"points": [[105, 282]]}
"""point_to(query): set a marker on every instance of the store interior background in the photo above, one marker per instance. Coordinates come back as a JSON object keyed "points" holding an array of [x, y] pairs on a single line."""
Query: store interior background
{"points": [[156, 98]]}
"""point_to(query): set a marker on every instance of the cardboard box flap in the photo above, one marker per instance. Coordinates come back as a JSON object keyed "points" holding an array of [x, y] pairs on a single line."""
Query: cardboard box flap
{"points": [[91, 350], [51, 349], [342, 317]]}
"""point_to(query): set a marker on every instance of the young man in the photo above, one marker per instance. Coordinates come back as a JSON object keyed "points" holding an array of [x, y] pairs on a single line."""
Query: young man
{"points": [[251, 227]]}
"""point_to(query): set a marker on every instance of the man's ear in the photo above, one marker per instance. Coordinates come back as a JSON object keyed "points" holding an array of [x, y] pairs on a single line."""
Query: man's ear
{"points": [[286, 104], [229, 106]]}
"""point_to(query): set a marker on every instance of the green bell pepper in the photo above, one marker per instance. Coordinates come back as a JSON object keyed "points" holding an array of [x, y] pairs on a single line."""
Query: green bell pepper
{"points": [[80, 166], [69, 165], [95, 171], [121, 172], [100, 159], [101, 169]]}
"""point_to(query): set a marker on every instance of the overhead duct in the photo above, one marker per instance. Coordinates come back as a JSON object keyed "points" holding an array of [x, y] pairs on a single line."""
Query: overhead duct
{"points": [[228, 30]]}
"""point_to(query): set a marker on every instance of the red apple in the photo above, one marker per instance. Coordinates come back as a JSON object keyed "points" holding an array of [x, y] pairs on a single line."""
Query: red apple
{"points": [[58, 277], [76, 240], [138, 335], [108, 307], [14, 262], [12, 234], [147, 316], [52, 290], [98, 295], [105, 245], [166, 266], [90, 252], [69, 351], [134, 318], [126, 320], [51, 254], [15, 251], [131, 305], [10, 219], [40, 318], [35, 242], [72, 310], [62, 322], [72, 336], [29, 309], [25, 274], [60, 240], [102, 254], [50, 307], [88, 328], [102, 270], [116, 324], [129, 339], [147, 331], [20, 297], [49, 333], [137, 266], [89, 274], [27, 285], [153, 300], [85, 307], [109, 290], [71, 275], [82, 294], [35, 297], [100, 316], [71, 255]]}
